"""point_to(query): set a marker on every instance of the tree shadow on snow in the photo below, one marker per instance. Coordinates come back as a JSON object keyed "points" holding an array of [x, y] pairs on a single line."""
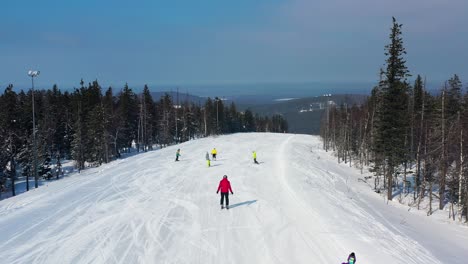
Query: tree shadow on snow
{"points": [[243, 203]]}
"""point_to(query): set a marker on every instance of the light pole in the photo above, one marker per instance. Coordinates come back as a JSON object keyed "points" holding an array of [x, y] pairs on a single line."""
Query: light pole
{"points": [[33, 74]]}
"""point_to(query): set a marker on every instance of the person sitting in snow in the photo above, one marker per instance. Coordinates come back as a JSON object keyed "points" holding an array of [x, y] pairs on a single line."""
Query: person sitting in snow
{"points": [[177, 155], [351, 259], [225, 188]]}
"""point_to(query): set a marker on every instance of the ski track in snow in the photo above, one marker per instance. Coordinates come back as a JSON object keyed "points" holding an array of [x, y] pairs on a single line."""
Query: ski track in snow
{"points": [[297, 206]]}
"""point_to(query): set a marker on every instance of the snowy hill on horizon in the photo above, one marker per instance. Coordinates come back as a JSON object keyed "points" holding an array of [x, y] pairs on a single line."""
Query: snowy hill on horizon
{"points": [[303, 114], [297, 206]]}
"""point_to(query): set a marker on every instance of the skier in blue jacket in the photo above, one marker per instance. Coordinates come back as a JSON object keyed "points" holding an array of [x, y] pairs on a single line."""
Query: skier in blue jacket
{"points": [[351, 259], [177, 155]]}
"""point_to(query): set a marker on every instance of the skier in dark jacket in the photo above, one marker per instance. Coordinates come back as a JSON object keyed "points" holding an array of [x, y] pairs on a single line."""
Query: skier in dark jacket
{"points": [[351, 259], [225, 188]]}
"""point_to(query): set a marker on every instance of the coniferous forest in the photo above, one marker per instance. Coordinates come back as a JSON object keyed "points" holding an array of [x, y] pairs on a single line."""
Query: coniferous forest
{"points": [[415, 142], [92, 126]]}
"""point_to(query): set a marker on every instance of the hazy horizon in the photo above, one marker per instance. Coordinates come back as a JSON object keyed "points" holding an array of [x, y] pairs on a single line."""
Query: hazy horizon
{"points": [[270, 90]]}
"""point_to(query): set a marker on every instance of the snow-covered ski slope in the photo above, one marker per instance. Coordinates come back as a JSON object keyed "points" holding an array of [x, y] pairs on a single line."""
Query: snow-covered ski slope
{"points": [[297, 206]]}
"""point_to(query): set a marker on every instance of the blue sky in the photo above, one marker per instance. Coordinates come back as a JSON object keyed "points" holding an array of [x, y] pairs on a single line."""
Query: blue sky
{"points": [[210, 42]]}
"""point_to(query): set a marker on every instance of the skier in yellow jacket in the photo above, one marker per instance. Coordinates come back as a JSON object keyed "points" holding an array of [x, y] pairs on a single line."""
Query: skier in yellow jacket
{"points": [[213, 153], [254, 155]]}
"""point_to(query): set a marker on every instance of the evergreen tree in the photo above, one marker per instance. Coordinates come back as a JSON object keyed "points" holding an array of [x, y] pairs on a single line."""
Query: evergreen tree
{"points": [[235, 123], [98, 140], [248, 122], [393, 118], [65, 132], [463, 177], [79, 130], [112, 124], [127, 108], [419, 107], [219, 115], [60, 115], [25, 159], [454, 97], [166, 120], [58, 166], [147, 119], [45, 169], [210, 116], [11, 137]]}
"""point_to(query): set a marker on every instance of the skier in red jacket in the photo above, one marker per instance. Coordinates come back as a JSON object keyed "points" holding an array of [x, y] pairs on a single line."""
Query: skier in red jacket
{"points": [[225, 188]]}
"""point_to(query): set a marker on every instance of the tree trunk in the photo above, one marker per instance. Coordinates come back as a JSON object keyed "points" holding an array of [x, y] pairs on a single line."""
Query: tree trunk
{"points": [[27, 180], [405, 168], [372, 136], [460, 174], [418, 152], [466, 201], [204, 120], [106, 146], [390, 172], [363, 139], [412, 124], [404, 177], [444, 158], [349, 129], [115, 143], [425, 171], [12, 175], [429, 212], [334, 129]]}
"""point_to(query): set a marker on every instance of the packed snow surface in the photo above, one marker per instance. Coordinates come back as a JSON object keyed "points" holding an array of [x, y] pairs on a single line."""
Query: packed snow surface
{"points": [[297, 206]]}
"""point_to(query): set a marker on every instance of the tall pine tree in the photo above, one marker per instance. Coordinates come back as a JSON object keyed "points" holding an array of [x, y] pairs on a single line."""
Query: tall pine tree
{"points": [[393, 119]]}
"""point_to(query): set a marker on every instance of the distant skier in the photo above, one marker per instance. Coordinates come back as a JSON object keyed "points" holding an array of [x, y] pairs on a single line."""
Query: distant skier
{"points": [[213, 153], [225, 188], [351, 259], [254, 154], [207, 157], [177, 155]]}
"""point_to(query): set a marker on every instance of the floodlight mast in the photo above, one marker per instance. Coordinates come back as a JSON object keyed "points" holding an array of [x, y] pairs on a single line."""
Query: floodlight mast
{"points": [[33, 74]]}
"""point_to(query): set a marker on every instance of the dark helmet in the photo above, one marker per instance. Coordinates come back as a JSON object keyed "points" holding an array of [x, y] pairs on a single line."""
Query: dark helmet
{"points": [[225, 177]]}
